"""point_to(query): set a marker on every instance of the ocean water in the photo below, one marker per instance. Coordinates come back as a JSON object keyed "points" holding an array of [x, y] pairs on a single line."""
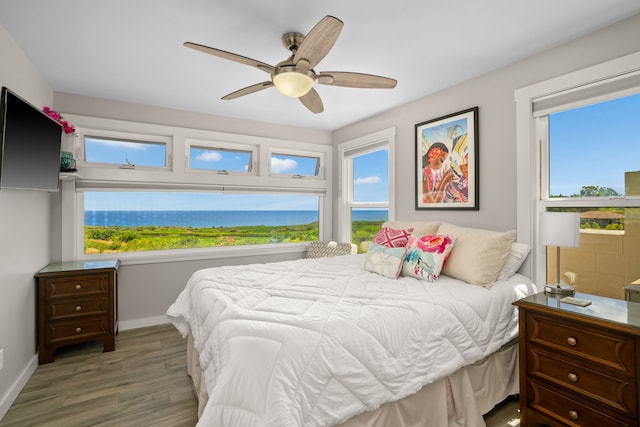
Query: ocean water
{"points": [[202, 219]]}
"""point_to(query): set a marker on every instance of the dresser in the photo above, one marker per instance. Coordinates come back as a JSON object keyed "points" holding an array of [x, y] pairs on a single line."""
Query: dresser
{"points": [[579, 365], [76, 303]]}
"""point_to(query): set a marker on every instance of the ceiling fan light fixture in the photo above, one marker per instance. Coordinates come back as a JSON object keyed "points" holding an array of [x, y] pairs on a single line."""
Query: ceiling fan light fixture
{"points": [[292, 82]]}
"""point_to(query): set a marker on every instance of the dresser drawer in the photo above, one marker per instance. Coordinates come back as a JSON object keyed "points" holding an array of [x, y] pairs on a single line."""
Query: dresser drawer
{"points": [[616, 392], [605, 347], [77, 307], [64, 287], [559, 405], [81, 329]]}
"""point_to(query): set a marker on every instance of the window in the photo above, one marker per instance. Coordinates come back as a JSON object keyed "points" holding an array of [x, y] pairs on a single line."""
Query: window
{"points": [[589, 164], [127, 152], [366, 176], [223, 158], [212, 192], [593, 148], [295, 165], [134, 221]]}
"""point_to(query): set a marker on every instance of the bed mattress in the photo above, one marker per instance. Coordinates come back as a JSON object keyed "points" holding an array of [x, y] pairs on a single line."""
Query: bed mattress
{"points": [[315, 342]]}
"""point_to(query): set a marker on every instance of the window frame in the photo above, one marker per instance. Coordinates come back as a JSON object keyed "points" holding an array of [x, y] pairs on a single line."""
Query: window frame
{"points": [[120, 136], [275, 151], [363, 145], [530, 151], [225, 147], [91, 177]]}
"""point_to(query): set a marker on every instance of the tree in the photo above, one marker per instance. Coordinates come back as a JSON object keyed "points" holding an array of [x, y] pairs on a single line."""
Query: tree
{"points": [[596, 191]]}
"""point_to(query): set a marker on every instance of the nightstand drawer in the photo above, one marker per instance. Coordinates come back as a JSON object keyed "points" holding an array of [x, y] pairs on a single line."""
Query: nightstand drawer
{"points": [[63, 287], [76, 330], [616, 392], [573, 412], [605, 347], [77, 307]]}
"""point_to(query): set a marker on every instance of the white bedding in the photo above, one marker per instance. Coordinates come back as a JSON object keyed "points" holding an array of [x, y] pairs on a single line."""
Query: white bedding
{"points": [[315, 342]]}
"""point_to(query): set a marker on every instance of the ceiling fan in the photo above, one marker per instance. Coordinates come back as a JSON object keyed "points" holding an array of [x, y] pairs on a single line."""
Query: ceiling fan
{"points": [[295, 75]]}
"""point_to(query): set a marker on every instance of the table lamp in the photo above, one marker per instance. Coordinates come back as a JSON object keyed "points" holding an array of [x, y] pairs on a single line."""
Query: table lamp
{"points": [[559, 229]]}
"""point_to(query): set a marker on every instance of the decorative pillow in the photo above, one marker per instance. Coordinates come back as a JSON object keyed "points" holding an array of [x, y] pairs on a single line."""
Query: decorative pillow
{"points": [[384, 260], [517, 255], [327, 249], [426, 255], [392, 238], [478, 255]]}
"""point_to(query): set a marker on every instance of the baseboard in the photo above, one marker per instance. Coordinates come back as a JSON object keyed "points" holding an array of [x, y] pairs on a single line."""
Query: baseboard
{"points": [[125, 325], [10, 396]]}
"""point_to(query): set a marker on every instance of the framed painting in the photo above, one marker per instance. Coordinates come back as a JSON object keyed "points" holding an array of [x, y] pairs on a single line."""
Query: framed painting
{"points": [[447, 162]]}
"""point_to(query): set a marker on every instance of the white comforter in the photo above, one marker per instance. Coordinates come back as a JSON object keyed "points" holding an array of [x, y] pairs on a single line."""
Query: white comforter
{"points": [[314, 342]]}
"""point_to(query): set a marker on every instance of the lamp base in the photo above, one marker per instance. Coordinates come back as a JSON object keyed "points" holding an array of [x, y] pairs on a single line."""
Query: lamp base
{"points": [[560, 288]]}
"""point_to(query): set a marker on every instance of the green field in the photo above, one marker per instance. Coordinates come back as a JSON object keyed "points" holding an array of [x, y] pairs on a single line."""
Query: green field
{"points": [[153, 238]]}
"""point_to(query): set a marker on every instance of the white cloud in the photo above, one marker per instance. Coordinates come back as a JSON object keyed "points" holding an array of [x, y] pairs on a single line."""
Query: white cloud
{"points": [[282, 165], [367, 180], [209, 156]]}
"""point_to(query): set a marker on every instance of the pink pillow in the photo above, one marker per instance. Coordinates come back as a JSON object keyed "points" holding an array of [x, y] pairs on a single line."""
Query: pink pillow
{"points": [[426, 256], [392, 238]]}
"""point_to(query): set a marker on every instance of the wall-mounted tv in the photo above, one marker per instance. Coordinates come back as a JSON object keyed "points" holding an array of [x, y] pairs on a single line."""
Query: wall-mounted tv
{"points": [[30, 146]]}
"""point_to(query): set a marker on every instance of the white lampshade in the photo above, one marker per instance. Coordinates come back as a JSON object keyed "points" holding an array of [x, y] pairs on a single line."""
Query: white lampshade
{"points": [[560, 229]]}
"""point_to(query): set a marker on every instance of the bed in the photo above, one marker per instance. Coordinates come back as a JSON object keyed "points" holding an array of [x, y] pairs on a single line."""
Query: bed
{"points": [[327, 341]]}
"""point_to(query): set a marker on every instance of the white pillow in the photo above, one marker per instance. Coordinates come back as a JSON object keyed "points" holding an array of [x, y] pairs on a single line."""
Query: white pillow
{"points": [[517, 255], [478, 255]]}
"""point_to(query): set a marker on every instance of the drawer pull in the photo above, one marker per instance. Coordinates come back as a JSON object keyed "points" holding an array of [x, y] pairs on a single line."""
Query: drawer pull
{"points": [[78, 308], [571, 341], [78, 287], [573, 415], [78, 330], [573, 377]]}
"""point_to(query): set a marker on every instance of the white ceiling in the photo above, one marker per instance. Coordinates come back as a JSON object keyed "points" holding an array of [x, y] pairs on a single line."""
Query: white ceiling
{"points": [[131, 50]]}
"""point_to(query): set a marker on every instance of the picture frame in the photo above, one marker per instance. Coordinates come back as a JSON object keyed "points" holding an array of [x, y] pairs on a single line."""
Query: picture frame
{"points": [[447, 162]]}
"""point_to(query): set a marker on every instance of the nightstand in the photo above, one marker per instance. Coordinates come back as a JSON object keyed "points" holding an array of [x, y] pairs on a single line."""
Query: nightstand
{"points": [[76, 303], [579, 365]]}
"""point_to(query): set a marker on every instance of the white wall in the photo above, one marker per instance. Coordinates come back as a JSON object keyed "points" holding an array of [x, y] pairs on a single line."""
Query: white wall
{"points": [[25, 223], [493, 93]]}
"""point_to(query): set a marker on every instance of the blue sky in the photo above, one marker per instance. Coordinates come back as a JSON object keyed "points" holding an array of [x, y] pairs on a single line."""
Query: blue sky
{"points": [[595, 145]]}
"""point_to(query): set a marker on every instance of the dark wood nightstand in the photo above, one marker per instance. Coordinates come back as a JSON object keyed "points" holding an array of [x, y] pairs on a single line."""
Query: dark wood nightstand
{"points": [[77, 303], [579, 365]]}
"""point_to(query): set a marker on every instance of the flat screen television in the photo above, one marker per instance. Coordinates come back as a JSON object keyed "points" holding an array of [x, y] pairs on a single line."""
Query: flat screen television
{"points": [[30, 146]]}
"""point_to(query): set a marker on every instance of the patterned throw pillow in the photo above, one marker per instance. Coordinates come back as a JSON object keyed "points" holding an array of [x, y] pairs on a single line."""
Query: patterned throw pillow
{"points": [[384, 261], [426, 256], [328, 249], [393, 238]]}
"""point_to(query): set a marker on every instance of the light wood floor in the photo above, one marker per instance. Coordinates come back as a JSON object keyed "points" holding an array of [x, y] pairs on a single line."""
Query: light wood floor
{"points": [[144, 382]]}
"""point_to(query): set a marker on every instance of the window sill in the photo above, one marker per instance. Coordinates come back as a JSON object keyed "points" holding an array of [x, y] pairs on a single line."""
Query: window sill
{"points": [[155, 257]]}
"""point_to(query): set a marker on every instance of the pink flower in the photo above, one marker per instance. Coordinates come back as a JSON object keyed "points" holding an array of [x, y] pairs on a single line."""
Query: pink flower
{"points": [[57, 117], [434, 244]]}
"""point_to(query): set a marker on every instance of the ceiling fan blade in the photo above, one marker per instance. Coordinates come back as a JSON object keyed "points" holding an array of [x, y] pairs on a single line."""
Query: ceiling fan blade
{"points": [[312, 101], [231, 56], [248, 90], [319, 41], [368, 81]]}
